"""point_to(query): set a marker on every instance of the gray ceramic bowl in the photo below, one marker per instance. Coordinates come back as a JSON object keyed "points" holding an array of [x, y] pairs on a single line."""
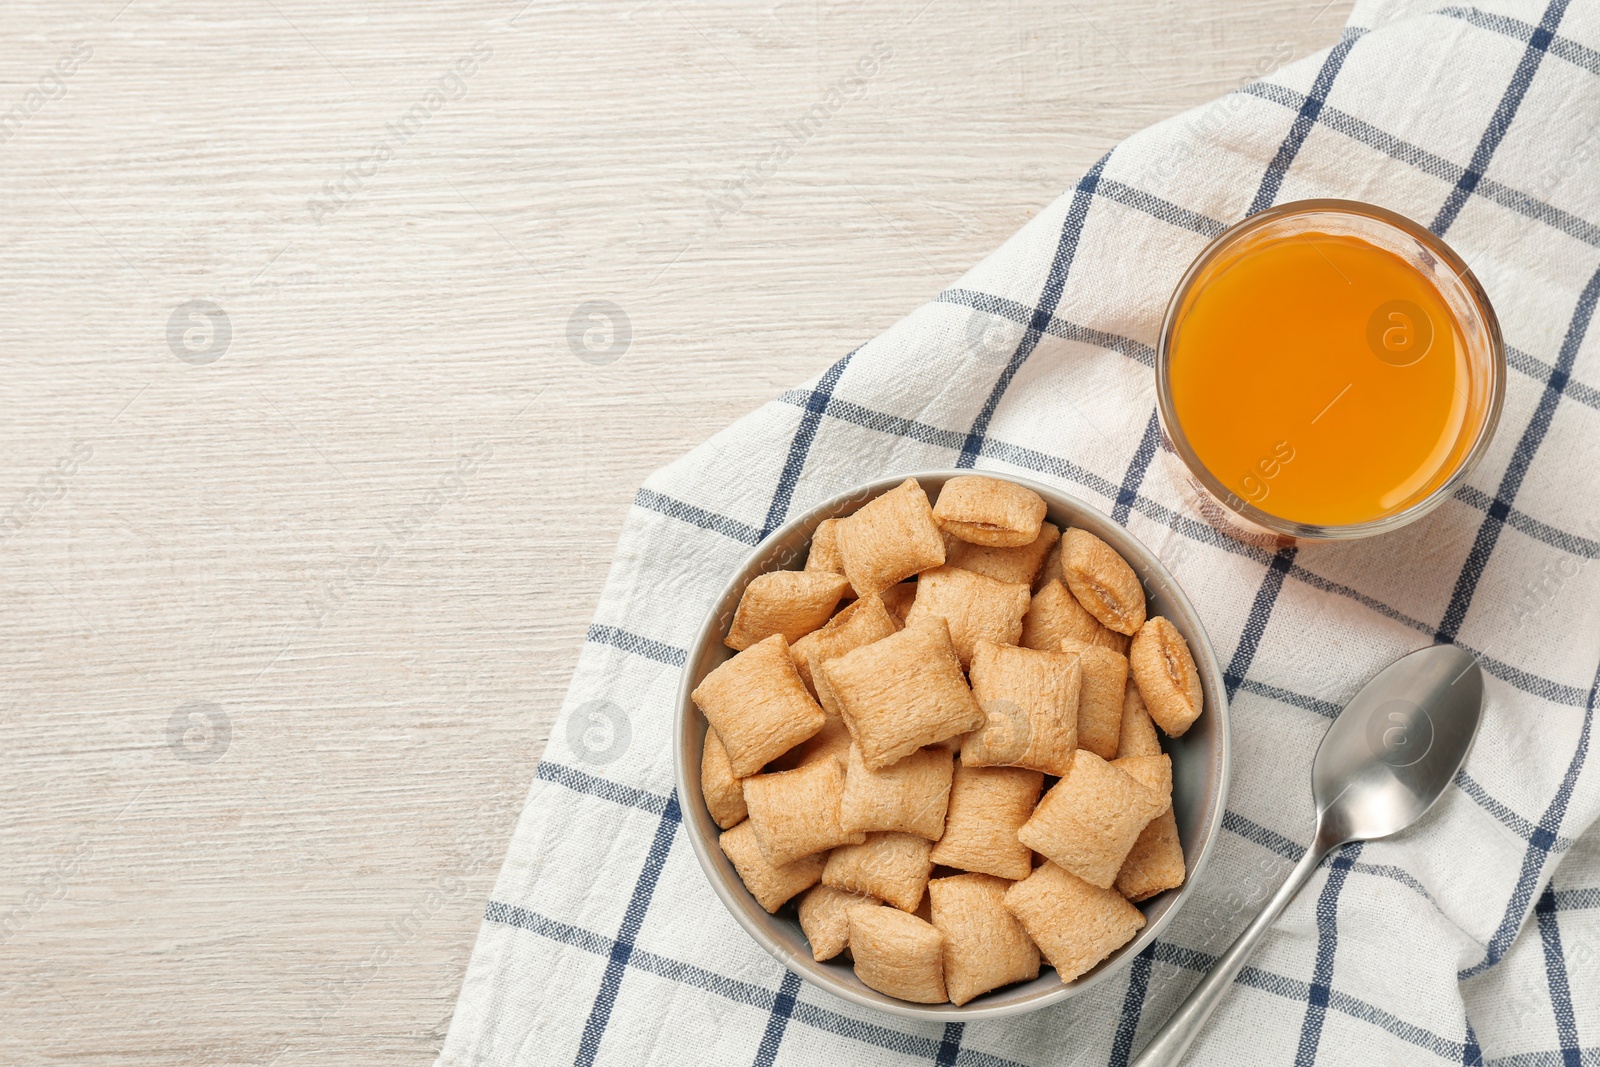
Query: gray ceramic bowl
{"points": [[1200, 762]]}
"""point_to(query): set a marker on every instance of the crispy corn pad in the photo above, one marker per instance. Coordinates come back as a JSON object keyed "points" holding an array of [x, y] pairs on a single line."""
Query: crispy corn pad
{"points": [[985, 947], [1050, 571], [987, 806], [1155, 863], [1054, 615], [796, 813], [1156, 860], [1100, 700], [1138, 736], [723, 792], [1089, 820], [824, 554], [898, 599], [861, 623], [974, 606], [990, 511], [791, 603], [1102, 581], [909, 796], [771, 886], [831, 742], [758, 705], [893, 867], [1031, 700], [1168, 679], [824, 919], [1020, 564], [1152, 772], [898, 954], [889, 539], [1075, 924], [901, 693]]}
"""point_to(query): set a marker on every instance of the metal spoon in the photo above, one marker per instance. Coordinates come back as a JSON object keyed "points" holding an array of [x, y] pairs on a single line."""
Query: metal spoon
{"points": [[1384, 762]]}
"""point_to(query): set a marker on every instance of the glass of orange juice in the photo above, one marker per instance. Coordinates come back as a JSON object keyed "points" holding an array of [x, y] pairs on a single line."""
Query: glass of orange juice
{"points": [[1328, 369]]}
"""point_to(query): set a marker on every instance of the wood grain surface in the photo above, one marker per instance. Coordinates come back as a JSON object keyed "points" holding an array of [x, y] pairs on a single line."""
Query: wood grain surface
{"points": [[317, 440]]}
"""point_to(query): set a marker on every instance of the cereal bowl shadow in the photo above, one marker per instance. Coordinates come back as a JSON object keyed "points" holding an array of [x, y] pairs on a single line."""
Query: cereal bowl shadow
{"points": [[1200, 762]]}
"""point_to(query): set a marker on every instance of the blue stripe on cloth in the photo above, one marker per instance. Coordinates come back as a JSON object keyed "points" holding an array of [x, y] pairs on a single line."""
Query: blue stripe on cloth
{"points": [[1500, 122], [1348, 125], [1291, 851], [1255, 626], [1554, 692], [647, 647], [1132, 1006], [1155, 207], [1054, 284], [1560, 47], [1132, 481], [1590, 1057], [950, 1045], [733, 529], [1300, 129], [1521, 459], [1022, 314], [1326, 708], [1577, 899], [1044, 463], [605, 999], [1255, 833], [740, 992], [579, 782], [1471, 1052], [1514, 822], [1354, 1008], [1400, 875], [782, 1008], [1538, 369], [1301, 992], [800, 447], [1540, 844], [1190, 959], [1327, 949], [1571, 544], [1555, 969], [856, 415]]}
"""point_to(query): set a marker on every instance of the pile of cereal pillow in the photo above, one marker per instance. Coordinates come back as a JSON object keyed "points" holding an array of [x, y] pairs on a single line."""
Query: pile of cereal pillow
{"points": [[960, 767]]}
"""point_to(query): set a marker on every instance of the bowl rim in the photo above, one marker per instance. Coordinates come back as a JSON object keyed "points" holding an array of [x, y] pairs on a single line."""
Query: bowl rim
{"points": [[709, 855]]}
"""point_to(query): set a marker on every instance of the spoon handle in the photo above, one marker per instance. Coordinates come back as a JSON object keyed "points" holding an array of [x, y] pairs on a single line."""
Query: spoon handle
{"points": [[1166, 1049]]}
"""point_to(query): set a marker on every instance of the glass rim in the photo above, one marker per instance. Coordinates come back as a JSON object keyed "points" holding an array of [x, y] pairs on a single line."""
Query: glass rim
{"points": [[1172, 429]]}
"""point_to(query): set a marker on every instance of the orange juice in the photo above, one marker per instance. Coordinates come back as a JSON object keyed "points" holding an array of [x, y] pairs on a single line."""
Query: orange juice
{"points": [[1322, 378]]}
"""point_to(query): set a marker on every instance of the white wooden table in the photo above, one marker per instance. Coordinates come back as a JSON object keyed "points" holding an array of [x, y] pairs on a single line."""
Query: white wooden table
{"points": [[310, 481]]}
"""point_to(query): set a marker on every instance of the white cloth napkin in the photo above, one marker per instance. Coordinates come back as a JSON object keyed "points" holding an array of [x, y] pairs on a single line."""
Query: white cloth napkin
{"points": [[1475, 936]]}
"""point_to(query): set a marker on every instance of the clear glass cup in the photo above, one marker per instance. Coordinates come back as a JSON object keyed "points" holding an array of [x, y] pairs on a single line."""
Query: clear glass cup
{"points": [[1474, 318]]}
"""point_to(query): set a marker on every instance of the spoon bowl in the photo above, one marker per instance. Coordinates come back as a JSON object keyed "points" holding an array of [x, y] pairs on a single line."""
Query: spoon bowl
{"points": [[1398, 744]]}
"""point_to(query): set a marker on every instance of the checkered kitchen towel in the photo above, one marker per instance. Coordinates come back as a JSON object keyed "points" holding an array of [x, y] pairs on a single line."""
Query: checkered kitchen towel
{"points": [[1473, 938]]}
